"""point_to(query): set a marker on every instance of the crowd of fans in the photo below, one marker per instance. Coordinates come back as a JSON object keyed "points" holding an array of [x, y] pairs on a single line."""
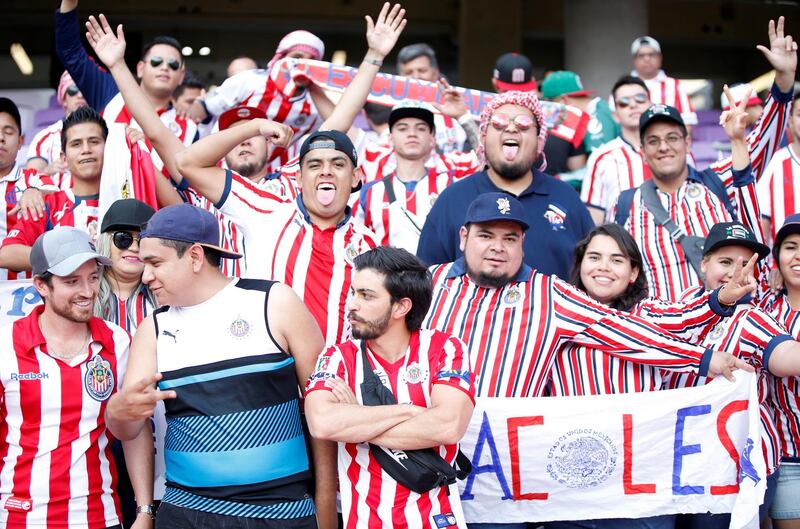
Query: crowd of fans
{"points": [[240, 287]]}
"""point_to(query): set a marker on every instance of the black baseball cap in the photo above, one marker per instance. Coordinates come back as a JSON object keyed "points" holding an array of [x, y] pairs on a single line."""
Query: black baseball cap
{"points": [[659, 112], [513, 71], [331, 139], [411, 109], [790, 225], [490, 207], [7, 105], [126, 214], [186, 223], [733, 234]]}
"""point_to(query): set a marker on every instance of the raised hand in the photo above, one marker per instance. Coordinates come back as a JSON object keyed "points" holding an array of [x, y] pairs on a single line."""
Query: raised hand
{"points": [[110, 48], [742, 283], [383, 33], [734, 120], [278, 134], [782, 54], [453, 104], [137, 401], [725, 364]]}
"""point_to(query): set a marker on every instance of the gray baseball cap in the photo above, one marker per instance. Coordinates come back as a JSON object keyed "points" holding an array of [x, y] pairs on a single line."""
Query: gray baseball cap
{"points": [[63, 250]]}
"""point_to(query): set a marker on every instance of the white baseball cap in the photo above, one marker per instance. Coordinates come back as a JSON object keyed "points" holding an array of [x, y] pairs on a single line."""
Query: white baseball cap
{"points": [[645, 41]]}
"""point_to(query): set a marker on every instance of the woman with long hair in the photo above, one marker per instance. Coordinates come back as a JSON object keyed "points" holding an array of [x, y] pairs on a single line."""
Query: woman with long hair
{"points": [[607, 265], [123, 298]]}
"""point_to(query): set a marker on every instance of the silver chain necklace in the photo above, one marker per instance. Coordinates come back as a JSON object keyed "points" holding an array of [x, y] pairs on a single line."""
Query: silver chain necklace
{"points": [[68, 356]]}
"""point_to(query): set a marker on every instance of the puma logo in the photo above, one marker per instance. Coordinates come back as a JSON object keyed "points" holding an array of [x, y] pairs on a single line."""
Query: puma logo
{"points": [[171, 335]]}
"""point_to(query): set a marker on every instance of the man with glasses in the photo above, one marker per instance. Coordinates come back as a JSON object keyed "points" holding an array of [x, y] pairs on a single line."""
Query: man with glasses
{"points": [[618, 165], [512, 138], [160, 70], [691, 201], [646, 52]]}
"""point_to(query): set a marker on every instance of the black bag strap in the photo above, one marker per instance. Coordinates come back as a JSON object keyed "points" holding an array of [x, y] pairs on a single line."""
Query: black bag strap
{"points": [[387, 184], [690, 244]]}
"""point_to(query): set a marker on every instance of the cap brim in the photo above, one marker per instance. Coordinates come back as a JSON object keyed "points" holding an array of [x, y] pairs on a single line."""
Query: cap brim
{"points": [[580, 93], [530, 86], [122, 226], [225, 254], [786, 230], [73, 262], [761, 249]]}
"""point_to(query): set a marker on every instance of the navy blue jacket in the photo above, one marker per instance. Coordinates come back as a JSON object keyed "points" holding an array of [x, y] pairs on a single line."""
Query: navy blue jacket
{"points": [[557, 218]]}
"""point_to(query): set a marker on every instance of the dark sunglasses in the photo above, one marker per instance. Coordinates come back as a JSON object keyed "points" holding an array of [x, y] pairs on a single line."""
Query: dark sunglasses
{"points": [[73, 90], [123, 239], [156, 61], [626, 101]]}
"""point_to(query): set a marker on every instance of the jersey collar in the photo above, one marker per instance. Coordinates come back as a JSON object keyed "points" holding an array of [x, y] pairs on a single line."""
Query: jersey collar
{"points": [[459, 268], [28, 335], [302, 207]]}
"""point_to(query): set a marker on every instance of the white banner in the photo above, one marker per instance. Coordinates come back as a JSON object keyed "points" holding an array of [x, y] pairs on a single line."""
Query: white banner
{"points": [[17, 299], [617, 456]]}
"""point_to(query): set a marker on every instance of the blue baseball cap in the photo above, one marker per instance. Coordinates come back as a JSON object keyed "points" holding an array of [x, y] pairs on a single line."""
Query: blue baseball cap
{"points": [[790, 225], [186, 223], [491, 207]]}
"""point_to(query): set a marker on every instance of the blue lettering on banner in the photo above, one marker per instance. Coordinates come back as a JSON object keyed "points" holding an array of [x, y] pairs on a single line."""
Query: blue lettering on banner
{"points": [[682, 450], [405, 85], [381, 92], [485, 436], [23, 295], [29, 376], [333, 74]]}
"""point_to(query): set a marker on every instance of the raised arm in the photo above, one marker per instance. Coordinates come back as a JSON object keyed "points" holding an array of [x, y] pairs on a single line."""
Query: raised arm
{"points": [[96, 85], [382, 35], [110, 48]]}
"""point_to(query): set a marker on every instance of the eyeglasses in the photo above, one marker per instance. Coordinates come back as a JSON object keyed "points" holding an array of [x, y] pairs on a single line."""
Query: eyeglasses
{"points": [[626, 101], [123, 239], [73, 90], [501, 121], [156, 61], [673, 140]]}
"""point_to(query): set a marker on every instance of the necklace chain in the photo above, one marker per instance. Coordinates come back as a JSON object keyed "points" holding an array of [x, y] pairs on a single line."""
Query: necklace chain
{"points": [[68, 356]]}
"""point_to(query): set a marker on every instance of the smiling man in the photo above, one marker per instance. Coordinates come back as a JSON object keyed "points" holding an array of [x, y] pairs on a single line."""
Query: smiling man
{"points": [[83, 140], [694, 201]]}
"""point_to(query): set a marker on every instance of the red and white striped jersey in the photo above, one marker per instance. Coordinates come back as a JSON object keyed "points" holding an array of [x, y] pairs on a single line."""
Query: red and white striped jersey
{"points": [[256, 88], [612, 168], [450, 136], [12, 185], [514, 333], [750, 334], [62, 208], [129, 313], [281, 185], [47, 143], [58, 470], [669, 91], [371, 498], [779, 189], [399, 222], [785, 392], [183, 128], [581, 370], [284, 245], [378, 160]]}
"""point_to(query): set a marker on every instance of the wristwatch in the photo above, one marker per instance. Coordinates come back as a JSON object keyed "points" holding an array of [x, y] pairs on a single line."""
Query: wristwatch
{"points": [[149, 510]]}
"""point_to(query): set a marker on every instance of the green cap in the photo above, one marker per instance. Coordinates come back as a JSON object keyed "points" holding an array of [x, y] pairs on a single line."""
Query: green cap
{"points": [[563, 83]]}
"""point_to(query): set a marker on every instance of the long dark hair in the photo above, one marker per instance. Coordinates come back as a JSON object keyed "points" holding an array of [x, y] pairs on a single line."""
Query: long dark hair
{"points": [[637, 290]]}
